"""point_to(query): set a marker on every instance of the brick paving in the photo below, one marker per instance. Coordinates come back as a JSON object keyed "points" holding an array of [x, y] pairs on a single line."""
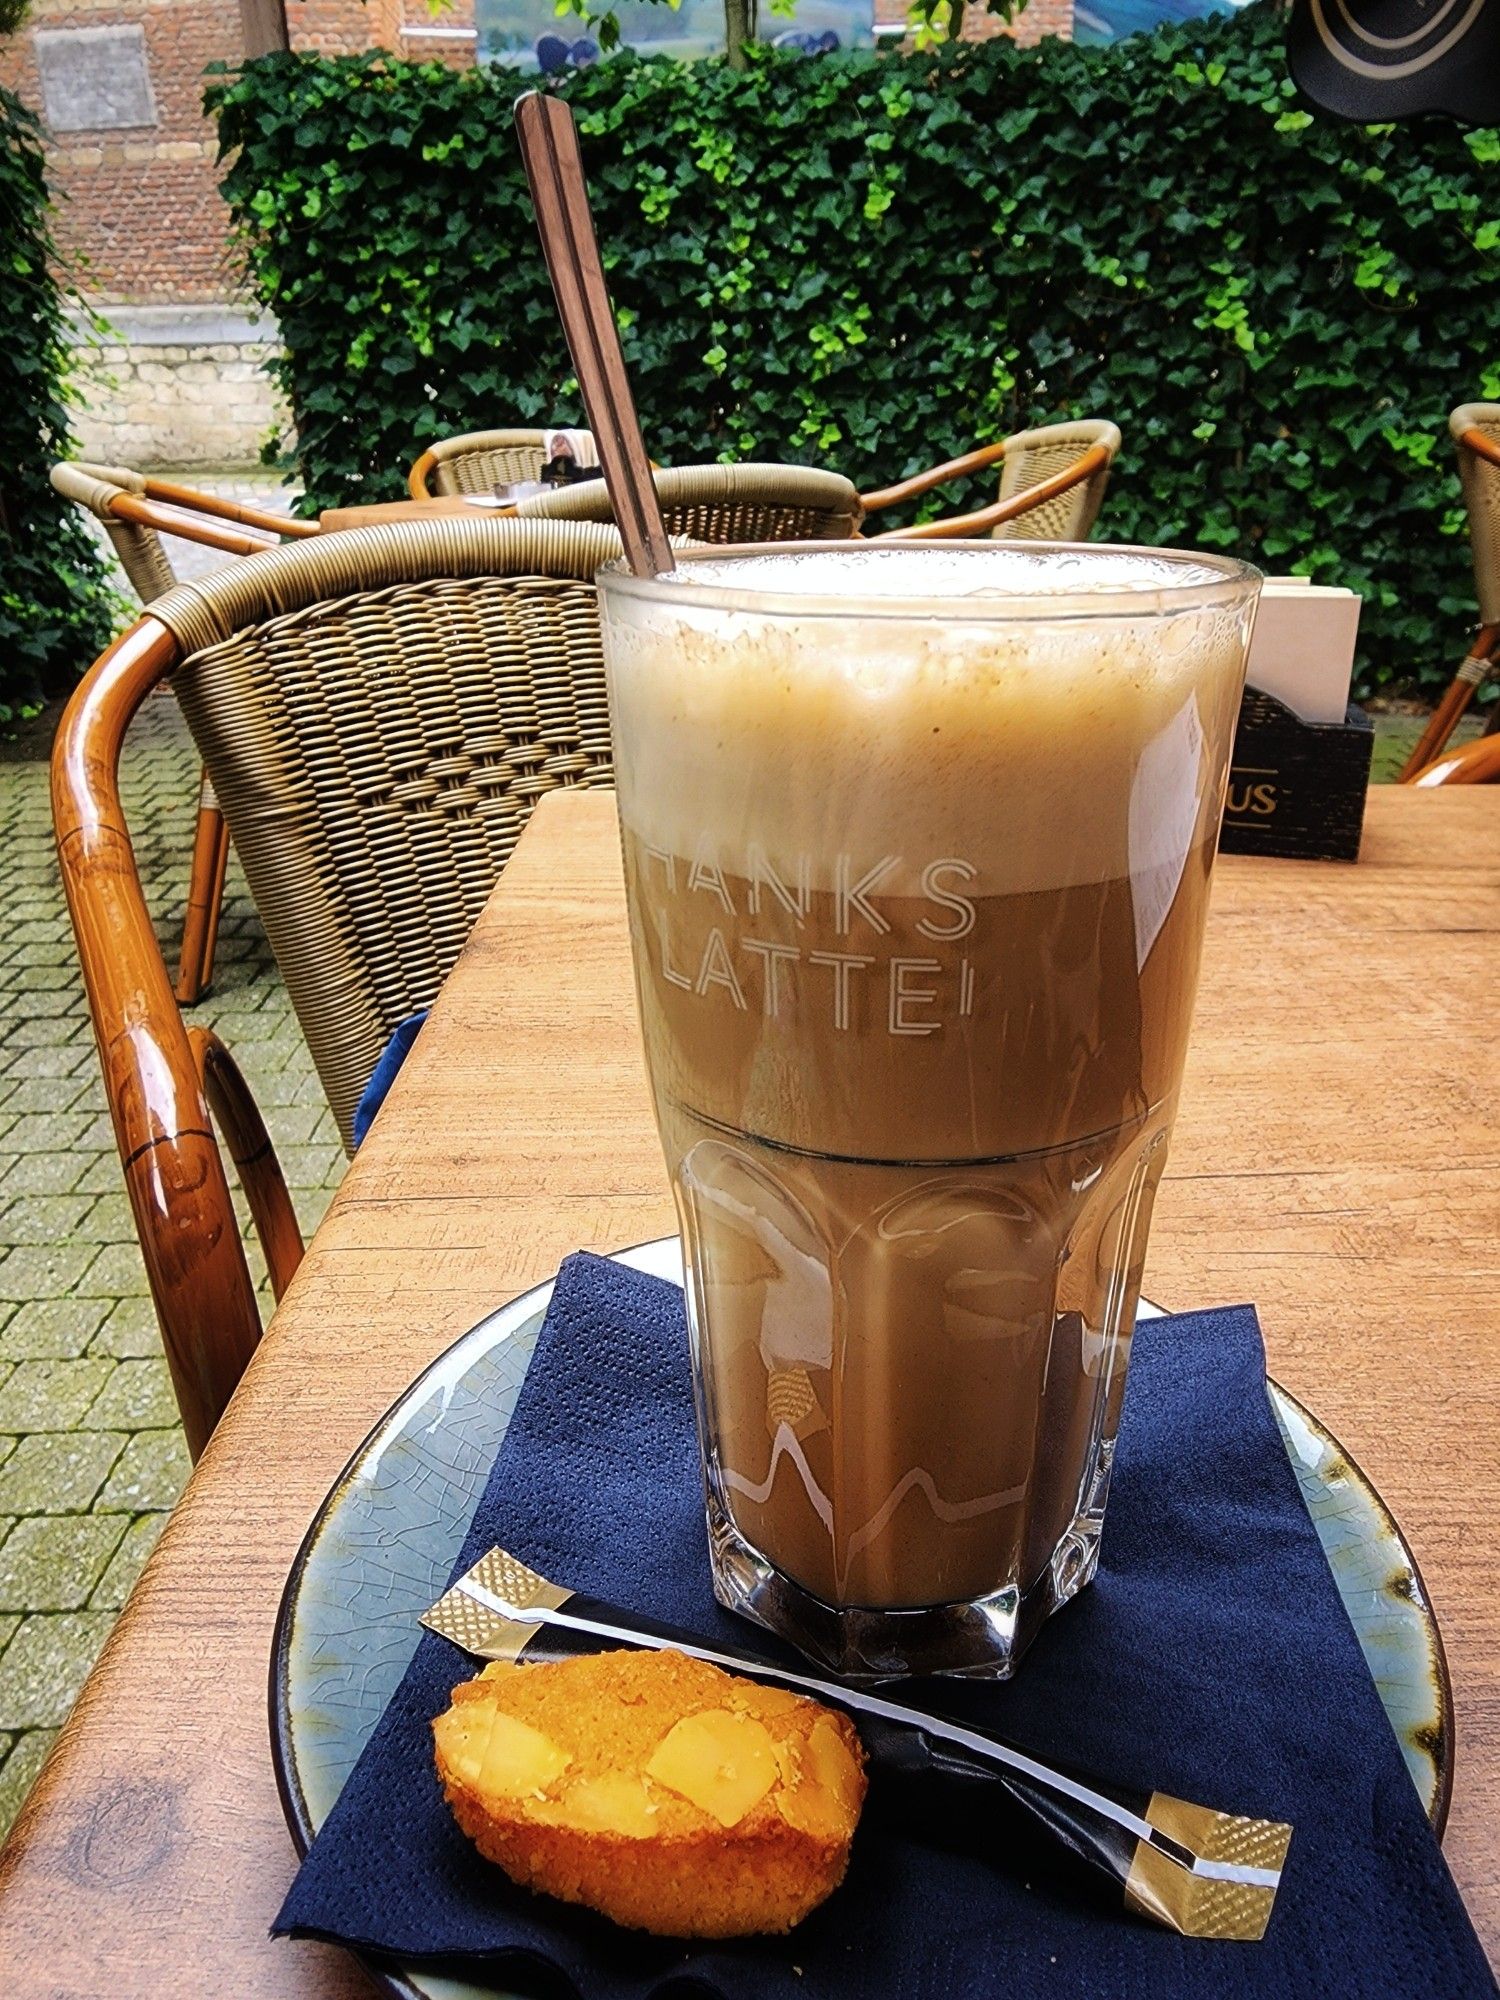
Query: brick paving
{"points": [[91, 1452]]}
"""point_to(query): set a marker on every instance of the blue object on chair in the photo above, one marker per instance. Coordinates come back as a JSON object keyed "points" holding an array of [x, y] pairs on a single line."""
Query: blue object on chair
{"points": [[385, 1072]]}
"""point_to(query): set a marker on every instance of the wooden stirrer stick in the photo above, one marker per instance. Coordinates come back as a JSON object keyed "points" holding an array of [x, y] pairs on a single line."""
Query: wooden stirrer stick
{"points": [[554, 167]]}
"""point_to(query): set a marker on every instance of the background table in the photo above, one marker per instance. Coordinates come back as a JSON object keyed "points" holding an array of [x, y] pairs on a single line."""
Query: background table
{"points": [[1336, 1161], [379, 513]]}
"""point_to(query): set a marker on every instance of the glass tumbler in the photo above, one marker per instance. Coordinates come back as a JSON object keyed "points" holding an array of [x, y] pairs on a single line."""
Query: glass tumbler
{"points": [[917, 845]]}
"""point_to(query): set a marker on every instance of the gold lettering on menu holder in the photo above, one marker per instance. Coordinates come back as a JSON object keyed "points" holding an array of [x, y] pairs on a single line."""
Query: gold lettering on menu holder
{"points": [[1260, 800]]}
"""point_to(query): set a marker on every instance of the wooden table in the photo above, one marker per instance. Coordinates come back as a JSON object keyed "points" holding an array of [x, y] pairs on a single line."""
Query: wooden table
{"points": [[378, 513], [1336, 1161]]}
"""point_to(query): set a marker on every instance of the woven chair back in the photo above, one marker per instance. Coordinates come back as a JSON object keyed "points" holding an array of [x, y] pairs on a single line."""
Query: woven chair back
{"points": [[726, 503], [1481, 490], [483, 462], [379, 712], [142, 555], [1032, 456]]}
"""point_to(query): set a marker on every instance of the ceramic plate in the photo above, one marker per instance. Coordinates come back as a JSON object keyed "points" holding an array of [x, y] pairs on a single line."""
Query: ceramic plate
{"points": [[386, 1538]]}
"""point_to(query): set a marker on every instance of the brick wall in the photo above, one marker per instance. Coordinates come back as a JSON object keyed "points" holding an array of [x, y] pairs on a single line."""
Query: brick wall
{"points": [[336, 27], [141, 218], [1041, 17], [446, 38], [141, 221]]}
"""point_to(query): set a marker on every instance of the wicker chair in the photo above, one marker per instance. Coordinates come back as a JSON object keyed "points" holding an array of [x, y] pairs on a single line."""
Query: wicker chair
{"points": [[725, 503], [379, 711], [136, 512], [1476, 433], [1476, 763], [1052, 485], [476, 462]]}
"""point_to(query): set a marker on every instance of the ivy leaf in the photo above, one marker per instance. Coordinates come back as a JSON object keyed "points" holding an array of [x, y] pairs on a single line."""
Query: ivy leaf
{"points": [[56, 607]]}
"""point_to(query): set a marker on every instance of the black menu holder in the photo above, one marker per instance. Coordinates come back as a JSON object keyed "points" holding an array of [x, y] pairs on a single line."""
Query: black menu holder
{"points": [[1296, 789]]}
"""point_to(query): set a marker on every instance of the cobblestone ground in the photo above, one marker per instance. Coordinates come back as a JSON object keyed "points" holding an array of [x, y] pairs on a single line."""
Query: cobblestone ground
{"points": [[91, 1453]]}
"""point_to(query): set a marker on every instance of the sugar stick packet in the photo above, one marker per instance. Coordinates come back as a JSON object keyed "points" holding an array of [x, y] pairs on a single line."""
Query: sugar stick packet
{"points": [[1200, 1872]]}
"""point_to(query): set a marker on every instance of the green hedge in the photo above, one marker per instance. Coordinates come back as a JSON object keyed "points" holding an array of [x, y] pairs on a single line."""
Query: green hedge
{"points": [[55, 609], [874, 262]]}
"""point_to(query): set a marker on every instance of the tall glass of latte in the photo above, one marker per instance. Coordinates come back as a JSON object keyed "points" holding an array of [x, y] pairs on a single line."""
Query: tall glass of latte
{"points": [[917, 848]]}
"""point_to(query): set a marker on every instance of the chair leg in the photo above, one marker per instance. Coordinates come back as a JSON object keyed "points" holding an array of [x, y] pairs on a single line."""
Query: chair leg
{"points": [[215, 904], [200, 923], [1471, 673]]}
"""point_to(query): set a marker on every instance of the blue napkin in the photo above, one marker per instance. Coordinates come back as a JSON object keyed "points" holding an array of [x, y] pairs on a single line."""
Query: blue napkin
{"points": [[387, 1069], [1211, 1658]]}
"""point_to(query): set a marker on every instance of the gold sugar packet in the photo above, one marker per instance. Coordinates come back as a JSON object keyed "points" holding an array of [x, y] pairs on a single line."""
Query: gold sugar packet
{"points": [[1202, 1873]]}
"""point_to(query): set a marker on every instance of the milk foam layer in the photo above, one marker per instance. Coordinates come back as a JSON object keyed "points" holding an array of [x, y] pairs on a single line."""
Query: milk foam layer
{"points": [[935, 573], [1010, 739]]}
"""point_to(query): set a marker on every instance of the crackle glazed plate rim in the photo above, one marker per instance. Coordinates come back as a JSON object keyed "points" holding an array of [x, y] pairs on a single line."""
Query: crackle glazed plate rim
{"points": [[323, 1637]]}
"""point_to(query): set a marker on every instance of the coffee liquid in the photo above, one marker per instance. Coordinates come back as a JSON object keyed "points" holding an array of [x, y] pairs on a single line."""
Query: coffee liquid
{"points": [[916, 913]]}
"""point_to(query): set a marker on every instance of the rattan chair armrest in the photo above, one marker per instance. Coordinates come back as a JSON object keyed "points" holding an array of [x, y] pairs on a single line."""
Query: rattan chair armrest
{"points": [[238, 1118], [174, 1176], [106, 475], [416, 479], [937, 475], [113, 493], [280, 525], [1476, 763], [190, 526], [1094, 460], [1484, 447], [101, 488], [92, 486]]}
